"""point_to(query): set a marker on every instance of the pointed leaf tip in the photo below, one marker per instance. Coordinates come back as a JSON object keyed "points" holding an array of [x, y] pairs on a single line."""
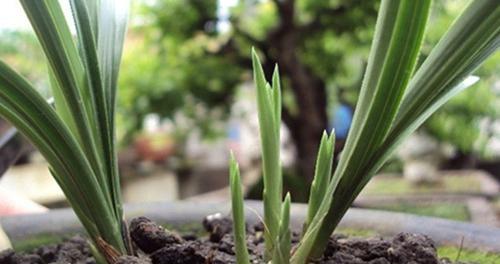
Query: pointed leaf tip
{"points": [[288, 197]]}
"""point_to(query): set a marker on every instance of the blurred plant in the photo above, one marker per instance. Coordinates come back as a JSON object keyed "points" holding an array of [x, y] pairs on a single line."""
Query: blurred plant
{"points": [[4, 240], [393, 103], [466, 121], [238, 213], [170, 72], [32, 64], [77, 137]]}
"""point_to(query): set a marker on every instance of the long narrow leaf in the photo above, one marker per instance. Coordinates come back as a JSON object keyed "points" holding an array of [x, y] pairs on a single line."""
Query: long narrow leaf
{"points": [[35, 118], [398, 64], [87, 48], [86, 15], [322, 174], [276, 94], [269, 104], [238, 213], [471, 39], [112, 25], [284, 240], [399, 38], [113, 17], [48, 21], [83, 82]]}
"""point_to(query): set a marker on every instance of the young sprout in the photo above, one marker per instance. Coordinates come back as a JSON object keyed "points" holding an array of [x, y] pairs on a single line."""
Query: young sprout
{"points": [[278, 241], [269, 111], [278, 237], [281, 254], [322, 175], [238, 212]]}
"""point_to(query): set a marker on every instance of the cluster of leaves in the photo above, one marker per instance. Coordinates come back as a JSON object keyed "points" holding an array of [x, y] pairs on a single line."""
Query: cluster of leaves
{"points": [[394, 102], [77, 136]]}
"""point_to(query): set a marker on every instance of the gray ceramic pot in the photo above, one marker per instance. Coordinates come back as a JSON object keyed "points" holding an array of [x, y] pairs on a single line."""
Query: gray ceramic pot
{"points": [[182, 214]]}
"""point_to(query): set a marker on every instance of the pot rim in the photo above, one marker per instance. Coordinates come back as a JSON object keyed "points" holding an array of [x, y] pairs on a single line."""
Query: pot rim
{"points": [[178, 213]]}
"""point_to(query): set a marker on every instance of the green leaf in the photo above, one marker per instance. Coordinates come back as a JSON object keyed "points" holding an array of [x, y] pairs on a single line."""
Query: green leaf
{"points": [[284, 239], [113, 17], [83, 81], [398, 35], [276, 92], [112, 24], [386, 95], [62, 108], [269, 110], [28, 111], [238, 212], [322, 175], [74, 98], [473, 37], [101, 29]]}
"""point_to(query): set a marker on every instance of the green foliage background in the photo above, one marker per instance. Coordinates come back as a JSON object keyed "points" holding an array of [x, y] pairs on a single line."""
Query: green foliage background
{"points": [[21, 50], [174, 62], [464, 120]]}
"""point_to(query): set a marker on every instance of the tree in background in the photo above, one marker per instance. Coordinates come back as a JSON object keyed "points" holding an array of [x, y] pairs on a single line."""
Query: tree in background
{"points": [[22, 50], [196, 55], [189, 57]]}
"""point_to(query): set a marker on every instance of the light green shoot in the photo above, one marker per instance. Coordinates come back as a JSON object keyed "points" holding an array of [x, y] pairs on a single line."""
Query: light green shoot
{"points": [[322, 175], [269, 111], [283, 242], [238, 212]]}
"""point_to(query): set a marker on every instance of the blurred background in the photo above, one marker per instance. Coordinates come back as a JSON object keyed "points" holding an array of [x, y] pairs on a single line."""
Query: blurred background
{"points": [[186, 98]]}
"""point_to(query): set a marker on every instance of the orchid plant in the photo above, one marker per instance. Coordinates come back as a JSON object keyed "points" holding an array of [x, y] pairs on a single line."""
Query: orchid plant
{"points": [[395, 99], [77, 135]]}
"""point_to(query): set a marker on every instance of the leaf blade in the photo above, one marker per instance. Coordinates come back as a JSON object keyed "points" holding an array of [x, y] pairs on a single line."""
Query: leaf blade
{"points": [[49, 24], [404, 125], [284, 239], [322, 175], [34, 117], [269, 127], [238, 212], [397, 40]]}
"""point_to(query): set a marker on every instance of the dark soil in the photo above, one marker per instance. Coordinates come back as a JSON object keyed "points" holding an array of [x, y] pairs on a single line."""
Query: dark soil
{"points": [[74, 250], [156, 245]]}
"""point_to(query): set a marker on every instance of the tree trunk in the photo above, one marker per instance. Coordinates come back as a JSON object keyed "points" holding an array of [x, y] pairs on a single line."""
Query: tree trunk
{"points": [[306, 139], [310, 120], [309, 123]]}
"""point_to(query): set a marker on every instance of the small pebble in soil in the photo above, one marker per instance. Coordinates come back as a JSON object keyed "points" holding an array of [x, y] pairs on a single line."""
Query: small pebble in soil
{"points": [[149, 236], [217, 226], [132, 260], [412, 247]]}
